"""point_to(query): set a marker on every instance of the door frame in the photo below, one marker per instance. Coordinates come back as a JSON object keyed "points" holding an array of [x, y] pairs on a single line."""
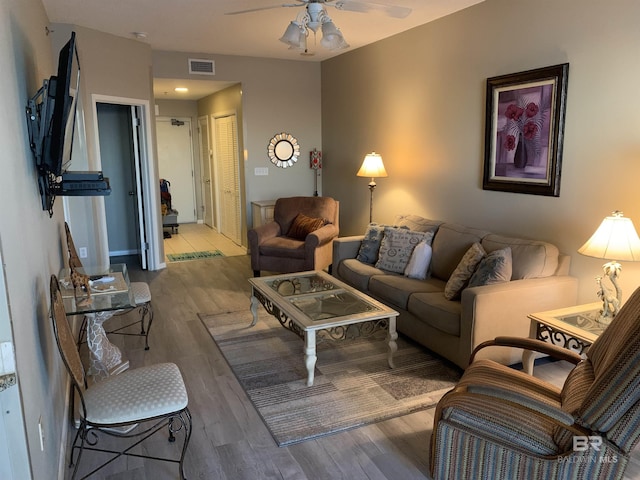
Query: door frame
{"points": [[206, 157], [150, 194]]}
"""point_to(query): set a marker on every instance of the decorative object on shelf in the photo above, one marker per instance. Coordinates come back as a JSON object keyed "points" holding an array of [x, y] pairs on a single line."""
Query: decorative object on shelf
{"points": [[283, 150], [524, 131], [315, 164], [314, 16], [372, 167], [615, 238]]}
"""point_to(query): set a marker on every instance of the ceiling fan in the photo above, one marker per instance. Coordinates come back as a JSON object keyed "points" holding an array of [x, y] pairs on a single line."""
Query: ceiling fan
{"points": [[314, 17]]}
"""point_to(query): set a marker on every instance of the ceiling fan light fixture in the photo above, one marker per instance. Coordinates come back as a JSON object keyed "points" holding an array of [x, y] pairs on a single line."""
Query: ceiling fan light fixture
{"points": [[332, 38], [294, 35]]}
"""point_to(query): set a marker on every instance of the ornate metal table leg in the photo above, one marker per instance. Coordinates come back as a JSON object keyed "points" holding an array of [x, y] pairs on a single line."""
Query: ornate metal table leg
{"points": [[254, 308], [310, 355], [392, 336]]}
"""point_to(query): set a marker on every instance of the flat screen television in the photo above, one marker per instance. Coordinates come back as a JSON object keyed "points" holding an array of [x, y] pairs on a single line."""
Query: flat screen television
{"points": [[51, 117]]}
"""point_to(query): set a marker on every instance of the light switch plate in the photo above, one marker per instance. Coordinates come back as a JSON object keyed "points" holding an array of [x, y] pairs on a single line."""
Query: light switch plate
{"points": [[258, 171], [7, 363]]}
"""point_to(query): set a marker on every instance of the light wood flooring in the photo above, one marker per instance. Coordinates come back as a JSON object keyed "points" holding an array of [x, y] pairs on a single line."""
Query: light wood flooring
{"points": [[197, 237], [230, 441]]}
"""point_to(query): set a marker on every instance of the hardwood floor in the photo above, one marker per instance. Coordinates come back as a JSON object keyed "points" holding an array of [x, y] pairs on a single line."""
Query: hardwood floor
{"points": [[229, 440]]}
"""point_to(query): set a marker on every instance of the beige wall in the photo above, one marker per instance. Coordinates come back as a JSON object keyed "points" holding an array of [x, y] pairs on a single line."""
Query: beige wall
{"points": [[31, 248], [419, 99]]}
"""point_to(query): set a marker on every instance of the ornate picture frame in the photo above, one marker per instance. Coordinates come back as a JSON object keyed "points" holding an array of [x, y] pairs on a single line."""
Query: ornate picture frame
{"points": [[283, 150], [524, 131]]}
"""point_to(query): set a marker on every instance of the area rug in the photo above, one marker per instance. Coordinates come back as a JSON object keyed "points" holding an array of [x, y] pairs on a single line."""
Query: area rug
{"points": [[184, 257], [353, 384]]}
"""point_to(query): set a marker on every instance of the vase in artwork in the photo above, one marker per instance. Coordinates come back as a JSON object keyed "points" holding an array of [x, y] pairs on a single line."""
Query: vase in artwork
{"points": [[520, 157]]}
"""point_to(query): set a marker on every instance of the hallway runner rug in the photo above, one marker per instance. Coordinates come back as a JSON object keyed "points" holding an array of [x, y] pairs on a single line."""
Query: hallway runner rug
{"points": [[353, 385], [184, 257]]}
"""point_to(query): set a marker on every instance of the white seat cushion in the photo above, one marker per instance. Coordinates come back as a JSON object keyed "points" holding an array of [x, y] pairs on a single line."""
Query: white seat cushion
{"points": [[141, 292], [136, 394]]}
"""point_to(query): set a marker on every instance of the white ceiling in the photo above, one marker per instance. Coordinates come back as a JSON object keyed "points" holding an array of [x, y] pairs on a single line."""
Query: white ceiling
{"points": [[201, 26]]}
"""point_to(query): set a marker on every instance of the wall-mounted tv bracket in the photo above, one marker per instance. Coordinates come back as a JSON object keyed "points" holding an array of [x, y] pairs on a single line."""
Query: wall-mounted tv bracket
{"points": [[38, 108]]}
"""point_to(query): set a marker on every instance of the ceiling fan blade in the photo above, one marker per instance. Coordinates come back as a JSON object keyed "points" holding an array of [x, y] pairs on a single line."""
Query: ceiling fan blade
{"points": [[239, 12], [365, 6]]}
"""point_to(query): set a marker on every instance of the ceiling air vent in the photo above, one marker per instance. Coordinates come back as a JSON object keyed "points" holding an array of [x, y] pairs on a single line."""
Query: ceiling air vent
{"points": [[201, 67]]}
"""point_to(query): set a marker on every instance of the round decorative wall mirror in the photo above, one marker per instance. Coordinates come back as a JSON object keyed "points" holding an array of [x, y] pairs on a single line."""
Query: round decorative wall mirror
{"points": [[283, 150]]}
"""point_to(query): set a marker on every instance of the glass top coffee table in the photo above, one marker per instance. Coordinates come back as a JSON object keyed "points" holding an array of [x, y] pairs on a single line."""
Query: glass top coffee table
{"points": [[316, 305]]}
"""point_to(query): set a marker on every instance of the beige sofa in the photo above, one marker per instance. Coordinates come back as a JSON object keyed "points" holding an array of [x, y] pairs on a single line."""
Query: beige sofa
{"points": [[452, 328]]}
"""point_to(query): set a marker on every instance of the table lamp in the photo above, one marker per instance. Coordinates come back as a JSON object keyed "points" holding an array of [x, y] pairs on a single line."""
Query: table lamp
{"points": [[616, 238], [372, 167]]}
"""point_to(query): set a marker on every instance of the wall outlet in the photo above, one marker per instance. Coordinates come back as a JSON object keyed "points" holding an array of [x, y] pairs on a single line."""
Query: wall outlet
{"points": [[82, 251]]}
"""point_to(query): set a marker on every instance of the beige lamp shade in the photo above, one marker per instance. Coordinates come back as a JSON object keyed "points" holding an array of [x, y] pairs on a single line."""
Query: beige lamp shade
{"points": [[615, 239], [372, 166]]}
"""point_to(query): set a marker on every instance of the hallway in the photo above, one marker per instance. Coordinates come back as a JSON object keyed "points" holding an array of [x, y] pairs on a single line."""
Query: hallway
{"points": [[194, 237]]}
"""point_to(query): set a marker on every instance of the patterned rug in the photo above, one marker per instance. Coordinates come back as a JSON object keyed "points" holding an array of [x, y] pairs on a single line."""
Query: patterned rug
{"points": [[353, 385], [185, 257]]}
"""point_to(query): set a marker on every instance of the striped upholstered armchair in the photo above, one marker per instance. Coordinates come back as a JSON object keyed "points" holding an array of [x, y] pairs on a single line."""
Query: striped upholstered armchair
{"points": [[502, 423]]}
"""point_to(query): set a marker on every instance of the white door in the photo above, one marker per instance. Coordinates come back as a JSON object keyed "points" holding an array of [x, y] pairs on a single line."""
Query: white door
{"points": [[228, 165], [175, 164], [207, 171]]}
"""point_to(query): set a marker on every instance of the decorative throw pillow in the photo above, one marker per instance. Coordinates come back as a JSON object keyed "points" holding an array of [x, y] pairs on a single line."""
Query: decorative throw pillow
{"points": [[368, 252], [303, 226], [397, 246], [464, 271], [495, 267], [418, 266]]}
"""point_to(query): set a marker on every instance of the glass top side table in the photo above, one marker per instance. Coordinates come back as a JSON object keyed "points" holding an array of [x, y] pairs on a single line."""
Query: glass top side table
{"points": [[574, 328], [110, 292]]}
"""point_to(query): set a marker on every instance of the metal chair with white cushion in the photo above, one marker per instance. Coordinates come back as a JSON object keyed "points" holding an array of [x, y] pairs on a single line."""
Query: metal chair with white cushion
{"points": [[133, 405]]}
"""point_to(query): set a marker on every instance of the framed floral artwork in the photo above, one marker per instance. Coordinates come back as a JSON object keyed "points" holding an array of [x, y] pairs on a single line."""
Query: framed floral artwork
{"points": [[524, 131]]}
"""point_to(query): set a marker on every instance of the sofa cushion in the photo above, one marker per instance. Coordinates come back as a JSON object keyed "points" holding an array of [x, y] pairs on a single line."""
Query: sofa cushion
{"points": [[433, 309], [396, 289], [449, 245], [418, 266], [417, 223], [530, 258], [495, 267], [357, 274], [282, 247], [370, 246], [463, 272], [397, 246]]}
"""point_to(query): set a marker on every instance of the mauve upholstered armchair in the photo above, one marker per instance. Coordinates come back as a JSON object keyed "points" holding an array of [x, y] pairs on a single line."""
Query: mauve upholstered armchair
{"points": [[284, 246], [502, 423]]}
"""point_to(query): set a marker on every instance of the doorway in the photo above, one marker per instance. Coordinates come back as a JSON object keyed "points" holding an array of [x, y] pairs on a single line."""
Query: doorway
{"points": [[175, 164], [119, 143]]}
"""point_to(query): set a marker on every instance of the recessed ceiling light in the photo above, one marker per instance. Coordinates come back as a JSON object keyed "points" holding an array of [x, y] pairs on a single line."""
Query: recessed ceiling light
{"points": [[181, 89]]}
